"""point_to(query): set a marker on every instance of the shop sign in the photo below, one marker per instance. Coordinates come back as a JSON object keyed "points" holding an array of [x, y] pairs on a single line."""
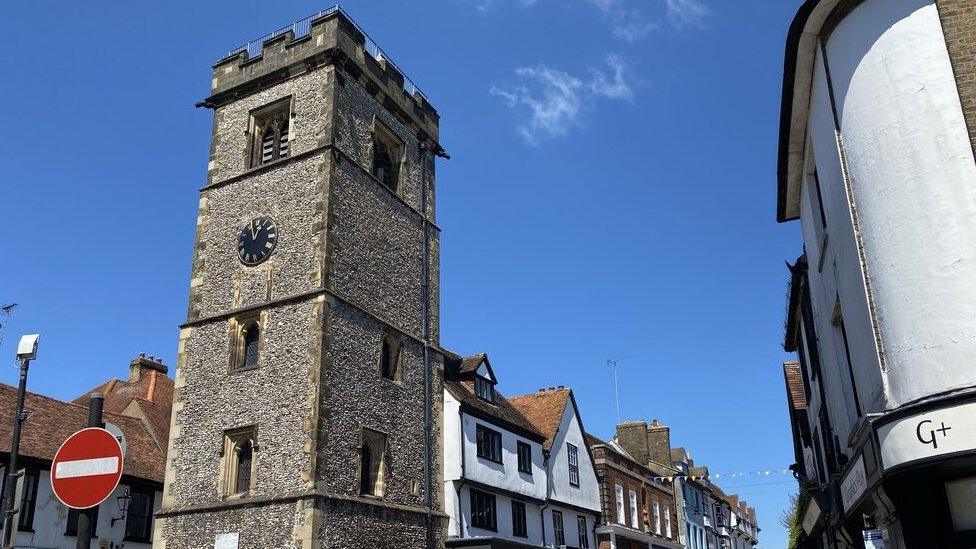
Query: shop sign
{"points": [[873, 539], [811, 515], [854, 484], [928, 434]]}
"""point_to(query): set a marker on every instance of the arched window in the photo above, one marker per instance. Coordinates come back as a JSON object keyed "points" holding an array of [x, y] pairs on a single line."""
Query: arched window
{"points": [[245, 457], [389, 357], [251, 339], [387, 153], [371, 463]]}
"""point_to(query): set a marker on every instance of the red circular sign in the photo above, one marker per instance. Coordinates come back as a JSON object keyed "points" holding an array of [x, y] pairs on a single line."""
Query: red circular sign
{"points": [[87, 468]]}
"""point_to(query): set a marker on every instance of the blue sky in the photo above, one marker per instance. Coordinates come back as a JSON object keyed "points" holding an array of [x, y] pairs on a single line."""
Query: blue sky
{"points": [[611, 194]]}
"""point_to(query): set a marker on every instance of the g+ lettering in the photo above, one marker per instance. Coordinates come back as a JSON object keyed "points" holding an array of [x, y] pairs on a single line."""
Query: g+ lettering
{"points": [[929, 437]]}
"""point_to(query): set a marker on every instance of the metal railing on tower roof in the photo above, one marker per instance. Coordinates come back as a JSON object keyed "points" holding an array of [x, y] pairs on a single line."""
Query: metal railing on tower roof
{"points": [[303, 27]]}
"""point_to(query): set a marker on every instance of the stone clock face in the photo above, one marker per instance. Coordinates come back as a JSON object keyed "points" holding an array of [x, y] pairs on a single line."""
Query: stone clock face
{"points": [[257, 240]]}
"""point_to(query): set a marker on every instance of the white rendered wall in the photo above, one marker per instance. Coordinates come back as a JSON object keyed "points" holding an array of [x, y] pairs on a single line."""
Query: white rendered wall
{"points": [[587, 495], [503, 507], [506, 474], [451, 443], [570, 528], [914, 180], [837, 276]]}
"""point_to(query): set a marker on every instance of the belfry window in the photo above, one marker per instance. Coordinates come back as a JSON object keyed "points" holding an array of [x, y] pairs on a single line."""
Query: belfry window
{"points": [[271, 132], [371, 463], [387, 157]]}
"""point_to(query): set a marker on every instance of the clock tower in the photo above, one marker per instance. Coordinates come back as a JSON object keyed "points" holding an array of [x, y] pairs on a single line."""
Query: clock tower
{"points": [[305, 413]]}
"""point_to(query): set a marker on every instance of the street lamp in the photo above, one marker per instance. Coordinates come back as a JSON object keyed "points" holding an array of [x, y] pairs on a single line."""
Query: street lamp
{"points": [[26, 352], [123, 501]]}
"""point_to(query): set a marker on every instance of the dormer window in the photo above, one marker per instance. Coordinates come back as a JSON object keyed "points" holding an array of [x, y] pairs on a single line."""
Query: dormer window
{"points": [[484, 389]]}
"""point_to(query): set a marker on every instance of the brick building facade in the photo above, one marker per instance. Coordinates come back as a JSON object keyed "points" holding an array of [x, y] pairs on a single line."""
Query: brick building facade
{"points": [[638, 512]]}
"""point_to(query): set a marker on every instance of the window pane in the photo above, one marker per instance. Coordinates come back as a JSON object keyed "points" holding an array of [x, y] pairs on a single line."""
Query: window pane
{"points": [[573, 464], [138, 518], [557, 528], [365, 471], [245, 453], [518, 519], [962, 503], [524, 457], [386, 360], [27, 502], [584, 540], [252, 336], [72, 527]]}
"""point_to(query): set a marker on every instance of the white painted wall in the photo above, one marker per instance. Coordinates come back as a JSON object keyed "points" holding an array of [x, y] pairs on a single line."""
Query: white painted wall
{"points": [[460, 437], [506, 474], [587, 495], [503, 506], [838, 276], [914, 182], [451, 439], [51, 519], [570, 528]]}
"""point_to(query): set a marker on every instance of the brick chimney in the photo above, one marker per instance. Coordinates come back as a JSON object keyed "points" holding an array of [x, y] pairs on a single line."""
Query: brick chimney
{"points": [[659, 443], [632, 437], [144, 364]]}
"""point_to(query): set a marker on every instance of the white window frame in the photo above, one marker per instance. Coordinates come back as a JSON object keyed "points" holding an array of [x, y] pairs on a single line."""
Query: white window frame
{"points": [[633, 509], [667, 521], [657, 518], [619, 492]]}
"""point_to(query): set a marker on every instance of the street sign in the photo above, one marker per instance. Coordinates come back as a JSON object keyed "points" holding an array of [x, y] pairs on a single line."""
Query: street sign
{"points": [[118, 434], [87, 468]]}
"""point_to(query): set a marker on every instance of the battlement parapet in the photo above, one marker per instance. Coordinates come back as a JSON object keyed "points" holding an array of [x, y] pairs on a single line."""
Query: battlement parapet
{"points": [[327, 37]]}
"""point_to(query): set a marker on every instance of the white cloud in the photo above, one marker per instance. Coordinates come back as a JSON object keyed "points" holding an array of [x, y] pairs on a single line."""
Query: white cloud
{"points": [[628, 24], [552, 98], [554, 101], [687, 13], [630, 20], [616, 86]]}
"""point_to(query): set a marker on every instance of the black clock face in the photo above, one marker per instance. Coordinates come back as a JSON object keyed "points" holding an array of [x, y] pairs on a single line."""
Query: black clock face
{"points": [[257, 240]]}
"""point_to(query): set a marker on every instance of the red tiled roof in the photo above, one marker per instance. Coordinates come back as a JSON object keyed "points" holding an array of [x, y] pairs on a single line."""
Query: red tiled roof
{"points": [[501, 410], [50, 422], [544, 409], [794, 385], [151, 397]]}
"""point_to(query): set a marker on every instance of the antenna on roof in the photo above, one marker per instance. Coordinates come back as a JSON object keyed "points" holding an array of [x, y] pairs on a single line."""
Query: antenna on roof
{"points": [[4, 313], [612, 363]]}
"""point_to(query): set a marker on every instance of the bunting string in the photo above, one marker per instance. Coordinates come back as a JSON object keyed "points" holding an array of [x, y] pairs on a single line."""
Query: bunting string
{"points": [[737, 474]]}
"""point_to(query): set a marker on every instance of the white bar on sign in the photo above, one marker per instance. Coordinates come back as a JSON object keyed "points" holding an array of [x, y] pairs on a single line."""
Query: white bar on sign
{"points": [[87, 467]]}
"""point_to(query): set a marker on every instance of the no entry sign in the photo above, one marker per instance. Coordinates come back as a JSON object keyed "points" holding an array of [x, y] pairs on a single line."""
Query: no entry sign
{"points": [[87, 468]]}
